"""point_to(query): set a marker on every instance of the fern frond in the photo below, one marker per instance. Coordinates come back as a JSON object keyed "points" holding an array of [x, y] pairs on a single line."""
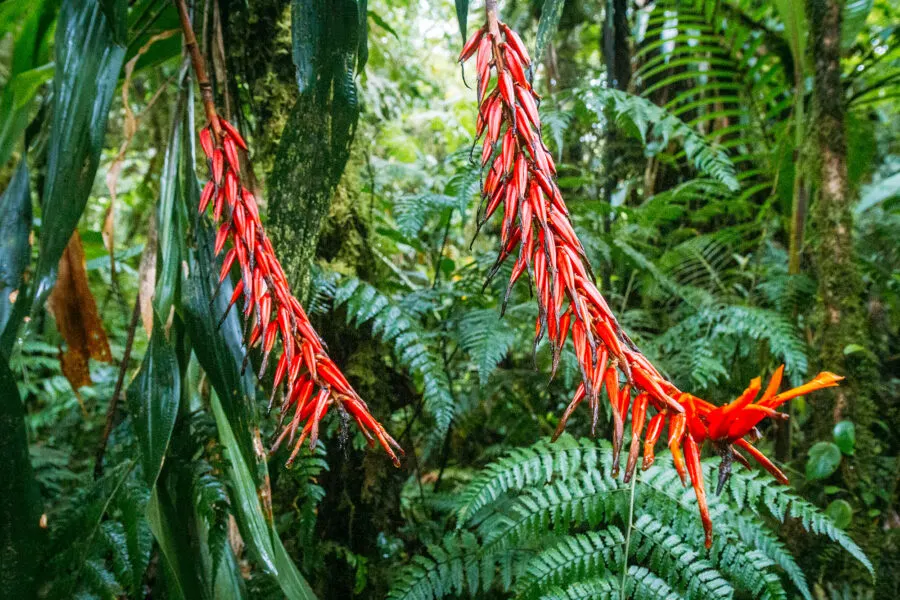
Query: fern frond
{"points": [[574, 558], [522, 467], [364, 304]]}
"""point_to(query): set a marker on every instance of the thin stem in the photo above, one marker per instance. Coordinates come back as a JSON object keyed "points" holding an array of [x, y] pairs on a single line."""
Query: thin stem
{"points": [[628, 536], [206, 93], [120, 381]]}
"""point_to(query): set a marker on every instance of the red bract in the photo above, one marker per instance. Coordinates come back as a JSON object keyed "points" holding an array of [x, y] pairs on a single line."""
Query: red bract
{"points": [[521, 178], [310, 381]]}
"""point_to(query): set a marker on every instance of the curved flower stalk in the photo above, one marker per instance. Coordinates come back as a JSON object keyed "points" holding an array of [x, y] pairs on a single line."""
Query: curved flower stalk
{"points": [[521, 180], [310, 381]]}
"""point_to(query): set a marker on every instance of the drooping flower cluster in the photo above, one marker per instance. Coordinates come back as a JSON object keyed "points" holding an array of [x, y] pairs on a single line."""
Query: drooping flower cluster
{"points": [[309, 380], [521, 178]]}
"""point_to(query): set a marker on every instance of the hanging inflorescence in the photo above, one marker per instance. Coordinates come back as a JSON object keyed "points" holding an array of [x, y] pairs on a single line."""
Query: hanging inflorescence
{"points": [[521, 178], [309, 381]]}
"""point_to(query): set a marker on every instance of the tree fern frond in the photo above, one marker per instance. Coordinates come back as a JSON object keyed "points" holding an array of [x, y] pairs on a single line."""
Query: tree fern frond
{"points": [[411, 346], [648, 121], [574, 558], [522, 467], [486, 338]]}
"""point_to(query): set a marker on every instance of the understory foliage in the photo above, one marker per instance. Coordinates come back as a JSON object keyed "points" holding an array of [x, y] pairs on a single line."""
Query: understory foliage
{"points": [[682, 174], [549, 521]]}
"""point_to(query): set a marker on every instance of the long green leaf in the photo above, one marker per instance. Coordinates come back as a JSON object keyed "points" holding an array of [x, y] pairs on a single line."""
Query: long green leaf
{"points": [[551, 12], [15, 248], [254, 527], [153, 400], [20, 505], [89, 55]]}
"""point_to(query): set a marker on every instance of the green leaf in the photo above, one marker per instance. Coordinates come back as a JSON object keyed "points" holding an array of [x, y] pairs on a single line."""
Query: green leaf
{"points": [[855, 14], [845, 437], [20, 504], [89, 57], [841, 513], [551, 12], [462, 16], [824, 459], [796, 28], [171, 210], [171, 534], [15, 248], [255, 529], [153, 398]]}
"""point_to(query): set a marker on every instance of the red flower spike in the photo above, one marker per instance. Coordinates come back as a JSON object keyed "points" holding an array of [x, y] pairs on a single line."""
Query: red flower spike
{"points": [[523, 177], [312, 381]]}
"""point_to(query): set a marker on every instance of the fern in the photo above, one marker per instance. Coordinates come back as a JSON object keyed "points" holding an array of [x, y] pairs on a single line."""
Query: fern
{"points": [[550, 519], [411, 344], [486, 338], [650, 123]]}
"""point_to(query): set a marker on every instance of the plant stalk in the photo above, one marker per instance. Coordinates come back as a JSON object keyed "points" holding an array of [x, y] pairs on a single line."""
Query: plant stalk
{"points": [[206, 92]]}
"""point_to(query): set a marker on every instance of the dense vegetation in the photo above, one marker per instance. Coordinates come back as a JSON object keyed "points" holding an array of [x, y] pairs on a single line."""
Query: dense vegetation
{"points": [[732, 168]]}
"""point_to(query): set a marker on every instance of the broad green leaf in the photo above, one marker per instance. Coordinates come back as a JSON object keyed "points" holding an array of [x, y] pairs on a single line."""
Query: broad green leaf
{"points": [[824, 459], [89, 56], [20, 503], [841, 513], [255, 529], [15, 248], [168, 528], [171, 209], [551, 12], [462, 16], [845, 436], [153, 398]]}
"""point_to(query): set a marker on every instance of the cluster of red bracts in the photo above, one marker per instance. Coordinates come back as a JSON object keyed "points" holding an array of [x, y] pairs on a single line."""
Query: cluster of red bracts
{"points": [[309, 381], [521, 177]]}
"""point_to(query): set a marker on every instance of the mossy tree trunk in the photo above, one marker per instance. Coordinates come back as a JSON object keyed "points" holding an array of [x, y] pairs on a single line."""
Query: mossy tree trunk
{"points": [[841, 312]]}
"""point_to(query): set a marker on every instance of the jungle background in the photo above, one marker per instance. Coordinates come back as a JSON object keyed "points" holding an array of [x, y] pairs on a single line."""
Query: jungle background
{"points": [[733, 167]]}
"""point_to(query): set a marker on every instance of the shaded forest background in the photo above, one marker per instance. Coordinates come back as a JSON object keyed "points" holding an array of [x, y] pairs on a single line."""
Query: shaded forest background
{"points": [[732, 166]]}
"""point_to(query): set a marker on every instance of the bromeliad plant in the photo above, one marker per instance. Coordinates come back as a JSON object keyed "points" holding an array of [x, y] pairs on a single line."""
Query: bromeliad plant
{"points": [[309, 380], [521, 177]]}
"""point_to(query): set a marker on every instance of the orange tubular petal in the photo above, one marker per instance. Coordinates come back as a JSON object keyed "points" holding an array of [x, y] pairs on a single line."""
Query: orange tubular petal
{"points": [[762, 460], [692, 455], [654, 430], [676, 435], [823, 380], [638, 414]]}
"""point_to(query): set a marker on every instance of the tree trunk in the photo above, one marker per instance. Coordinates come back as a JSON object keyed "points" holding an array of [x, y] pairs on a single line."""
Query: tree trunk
{"points": [[841, 313]]}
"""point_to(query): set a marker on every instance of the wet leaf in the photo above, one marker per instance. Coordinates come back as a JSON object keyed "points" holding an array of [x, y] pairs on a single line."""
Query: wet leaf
{"points": [[73, 307], [15, 248], [153, 398], [89, 55]]}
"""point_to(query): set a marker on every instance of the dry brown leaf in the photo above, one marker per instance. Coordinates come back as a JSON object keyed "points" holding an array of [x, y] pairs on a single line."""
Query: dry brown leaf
{"points": [[75, 311]]}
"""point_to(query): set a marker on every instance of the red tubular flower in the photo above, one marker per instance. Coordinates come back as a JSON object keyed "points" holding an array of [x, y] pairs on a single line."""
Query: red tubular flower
{"points": [[521, 177], [310, 381]]}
